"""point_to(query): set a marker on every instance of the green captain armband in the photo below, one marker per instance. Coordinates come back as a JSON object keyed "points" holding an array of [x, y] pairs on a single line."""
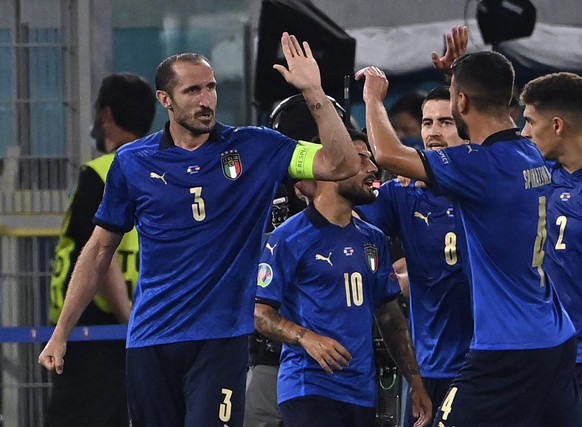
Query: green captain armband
{"points": [[301, 166]]}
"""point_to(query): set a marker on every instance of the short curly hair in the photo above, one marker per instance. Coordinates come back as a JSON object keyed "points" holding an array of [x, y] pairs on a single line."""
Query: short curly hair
{"points": [[556, 92]]}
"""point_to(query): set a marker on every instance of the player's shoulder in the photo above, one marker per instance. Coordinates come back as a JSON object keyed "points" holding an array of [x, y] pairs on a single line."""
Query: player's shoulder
{"points": [[367, 229], [145, 144], [257, 132], [292, 227]]}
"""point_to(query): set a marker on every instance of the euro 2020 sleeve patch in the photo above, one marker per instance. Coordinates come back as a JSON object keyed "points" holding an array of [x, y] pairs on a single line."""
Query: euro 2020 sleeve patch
{"points": [[265, 275]]}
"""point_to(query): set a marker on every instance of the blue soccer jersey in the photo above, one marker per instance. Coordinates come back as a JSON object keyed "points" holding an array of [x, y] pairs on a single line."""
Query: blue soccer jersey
{"points": [[330, 280], [563, 260], [500, 191], [200, 216], [440, 303]]}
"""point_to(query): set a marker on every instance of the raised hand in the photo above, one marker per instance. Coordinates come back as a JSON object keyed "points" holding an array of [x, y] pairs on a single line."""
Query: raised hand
{"points": [[303, 71], [375, 83], [457, 40]]}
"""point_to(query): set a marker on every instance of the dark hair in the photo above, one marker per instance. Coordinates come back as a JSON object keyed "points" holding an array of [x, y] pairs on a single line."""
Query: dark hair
{"points": [[486, 78], [557, 91], [165, 76], [357, 135], [410, 103], [293, 118], [131, 100], [439, 93]]}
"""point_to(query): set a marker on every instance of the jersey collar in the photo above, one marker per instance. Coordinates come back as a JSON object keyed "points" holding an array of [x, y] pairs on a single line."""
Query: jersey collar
{"points": [[504, 135], [315, 217], [167, 141]]}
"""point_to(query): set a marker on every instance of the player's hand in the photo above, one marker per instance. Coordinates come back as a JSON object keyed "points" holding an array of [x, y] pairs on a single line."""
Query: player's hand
{"points": [[421, 404], [375, 83], [303, 71], [405, 182], [456, 40], [52, 356], [329, 353]]}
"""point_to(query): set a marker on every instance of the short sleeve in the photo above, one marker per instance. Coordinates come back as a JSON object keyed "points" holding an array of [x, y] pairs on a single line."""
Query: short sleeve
{"points": [[387, 287], [460, 172], [116, 211], [276, 268]]}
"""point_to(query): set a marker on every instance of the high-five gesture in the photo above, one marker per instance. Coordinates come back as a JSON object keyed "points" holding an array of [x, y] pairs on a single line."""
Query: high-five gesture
{"points": [[375, 83], [302, 71], [456, 40], [337, 153]]}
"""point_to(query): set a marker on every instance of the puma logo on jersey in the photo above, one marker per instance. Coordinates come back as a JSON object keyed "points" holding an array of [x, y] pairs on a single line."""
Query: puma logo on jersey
{"points": [[156, 176], [271, 248], [470, 148], [323, 258], [423, 217]]}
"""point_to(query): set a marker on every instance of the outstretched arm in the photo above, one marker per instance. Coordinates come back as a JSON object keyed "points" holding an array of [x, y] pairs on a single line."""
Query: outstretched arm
{"points": [[337, 158], [87, 277], [398, 341], [329, 353], [388, 151]]}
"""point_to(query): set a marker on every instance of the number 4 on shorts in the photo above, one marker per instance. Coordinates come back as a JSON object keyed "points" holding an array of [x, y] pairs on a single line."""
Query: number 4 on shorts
{"points": [[447, 405]]}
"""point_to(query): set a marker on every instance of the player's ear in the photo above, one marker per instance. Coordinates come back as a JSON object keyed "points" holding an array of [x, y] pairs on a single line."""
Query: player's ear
{"points": [[558, 125], [463, 103], [106, 116], [164, 99]]}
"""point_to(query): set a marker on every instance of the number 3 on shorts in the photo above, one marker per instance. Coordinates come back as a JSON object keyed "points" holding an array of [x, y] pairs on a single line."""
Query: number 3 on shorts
{"points": [[225, 410], [447, 405]]}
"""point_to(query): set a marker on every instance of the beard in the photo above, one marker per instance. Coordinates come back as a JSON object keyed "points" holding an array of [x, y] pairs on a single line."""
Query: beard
{"points": [[196, 129], [98, 134], [462, 129], [356, 195], [192, 123]]}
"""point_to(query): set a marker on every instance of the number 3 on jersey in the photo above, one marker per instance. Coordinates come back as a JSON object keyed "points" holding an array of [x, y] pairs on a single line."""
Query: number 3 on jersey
{"points": [[198, 208]]}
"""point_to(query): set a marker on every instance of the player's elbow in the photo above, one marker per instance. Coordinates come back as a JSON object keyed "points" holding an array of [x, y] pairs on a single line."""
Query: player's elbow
{"points": [[384, 159], [260, 313]]}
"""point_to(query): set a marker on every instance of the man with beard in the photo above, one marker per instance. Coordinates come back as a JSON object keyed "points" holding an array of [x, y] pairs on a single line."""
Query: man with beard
{"points": [[440, 303], [92, 390], [553, 121], [322, 276], [519, 370], [200, 193]]}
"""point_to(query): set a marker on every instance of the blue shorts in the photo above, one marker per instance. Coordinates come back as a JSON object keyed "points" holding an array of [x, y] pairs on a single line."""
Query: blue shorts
{"points": [[319, 411], [193, 383], [514, 388]]}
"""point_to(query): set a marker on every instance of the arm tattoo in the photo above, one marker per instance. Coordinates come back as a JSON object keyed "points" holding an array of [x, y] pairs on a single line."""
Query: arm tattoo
{"points": [[271, 324], [397, 339], [315, 106]]}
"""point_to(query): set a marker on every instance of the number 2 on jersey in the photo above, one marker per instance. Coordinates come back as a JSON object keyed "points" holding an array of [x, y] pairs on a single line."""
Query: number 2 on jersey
{"points": [[561, 221]]}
